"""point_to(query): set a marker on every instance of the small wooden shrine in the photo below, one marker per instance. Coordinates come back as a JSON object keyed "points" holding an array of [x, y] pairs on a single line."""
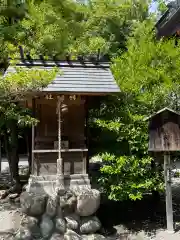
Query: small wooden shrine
{"points": [[59, 141], [164, 138], [164, 131], [60, 134]]}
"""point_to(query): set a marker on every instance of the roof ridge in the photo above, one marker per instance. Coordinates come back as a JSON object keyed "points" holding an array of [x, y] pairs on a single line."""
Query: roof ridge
{"points": [[161, 111], [64, 63]]}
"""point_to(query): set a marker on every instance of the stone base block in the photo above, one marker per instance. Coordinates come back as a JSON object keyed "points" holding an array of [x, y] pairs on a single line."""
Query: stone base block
{"points": [[47, 184], [69, 214]]}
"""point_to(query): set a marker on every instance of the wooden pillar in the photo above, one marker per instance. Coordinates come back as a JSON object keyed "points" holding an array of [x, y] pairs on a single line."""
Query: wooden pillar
{"points": [[86, 155], [0, 154], [167, 178], [60, 172], [33, 137]]}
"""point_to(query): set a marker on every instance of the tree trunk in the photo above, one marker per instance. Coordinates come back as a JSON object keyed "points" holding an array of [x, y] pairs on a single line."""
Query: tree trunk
{"points": [[14, 151], [11, 147], [7, 149]]}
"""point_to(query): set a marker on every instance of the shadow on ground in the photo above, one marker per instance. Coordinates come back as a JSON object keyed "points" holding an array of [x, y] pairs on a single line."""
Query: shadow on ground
{"points": [[147, 215]]}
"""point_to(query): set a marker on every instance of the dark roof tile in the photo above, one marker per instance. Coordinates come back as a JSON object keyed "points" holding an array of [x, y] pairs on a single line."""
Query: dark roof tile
{"points": [[76, 77]]}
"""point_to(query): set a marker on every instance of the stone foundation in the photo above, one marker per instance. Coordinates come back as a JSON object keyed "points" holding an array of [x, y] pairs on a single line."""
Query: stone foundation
{"points": [[47, 184], [68, 215]]}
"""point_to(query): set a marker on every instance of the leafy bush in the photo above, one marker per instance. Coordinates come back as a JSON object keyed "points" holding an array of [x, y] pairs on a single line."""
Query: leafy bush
{"points": [[128, 177], [120, 137]]}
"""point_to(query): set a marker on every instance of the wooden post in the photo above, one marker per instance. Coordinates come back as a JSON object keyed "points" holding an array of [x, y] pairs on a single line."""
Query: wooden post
{"points": [[33, 136], [0, 156], [32, 155], [167, 178], [60, 172], [86, 157]]}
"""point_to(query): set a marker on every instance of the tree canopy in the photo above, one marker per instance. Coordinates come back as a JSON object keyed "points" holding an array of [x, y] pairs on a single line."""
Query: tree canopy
{"points": [[60, 27], [149, 69], [148, 75]]}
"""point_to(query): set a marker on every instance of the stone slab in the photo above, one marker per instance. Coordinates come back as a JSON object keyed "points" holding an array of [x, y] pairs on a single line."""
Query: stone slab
{"points": [[47, 184], [10, 221]]}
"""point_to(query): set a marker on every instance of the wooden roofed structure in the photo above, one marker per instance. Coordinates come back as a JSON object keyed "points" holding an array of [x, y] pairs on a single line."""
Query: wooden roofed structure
{"points": [[169, 23], [59, 141], [164, 131], [164, 138]]}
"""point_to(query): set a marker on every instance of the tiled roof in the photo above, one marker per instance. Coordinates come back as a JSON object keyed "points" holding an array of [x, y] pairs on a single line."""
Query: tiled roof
{"points": [[76, 76]]}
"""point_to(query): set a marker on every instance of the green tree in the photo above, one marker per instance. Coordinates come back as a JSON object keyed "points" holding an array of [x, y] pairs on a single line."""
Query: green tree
{"points": [[149, 69], [107, 26], [161, 6], [14, 90], [52, 27], [37, 27], [148, 75], [41, 27]]}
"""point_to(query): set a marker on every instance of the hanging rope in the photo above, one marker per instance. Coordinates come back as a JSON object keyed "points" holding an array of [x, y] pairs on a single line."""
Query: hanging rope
{"points": [[59, 161]]}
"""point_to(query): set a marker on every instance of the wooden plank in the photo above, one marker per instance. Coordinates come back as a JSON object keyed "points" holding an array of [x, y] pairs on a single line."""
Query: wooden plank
{"points": [[48, 169], [78, 101], [78, 168], [67, 168], [84, 163], [56, 150], [72, 93]]}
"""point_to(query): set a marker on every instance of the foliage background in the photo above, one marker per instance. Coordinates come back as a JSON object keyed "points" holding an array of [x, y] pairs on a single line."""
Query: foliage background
{"points": [[146, 69]]}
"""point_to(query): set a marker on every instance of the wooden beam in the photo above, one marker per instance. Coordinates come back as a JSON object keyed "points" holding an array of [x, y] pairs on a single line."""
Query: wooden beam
{"points": [[42, 93], [57, 151]]}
